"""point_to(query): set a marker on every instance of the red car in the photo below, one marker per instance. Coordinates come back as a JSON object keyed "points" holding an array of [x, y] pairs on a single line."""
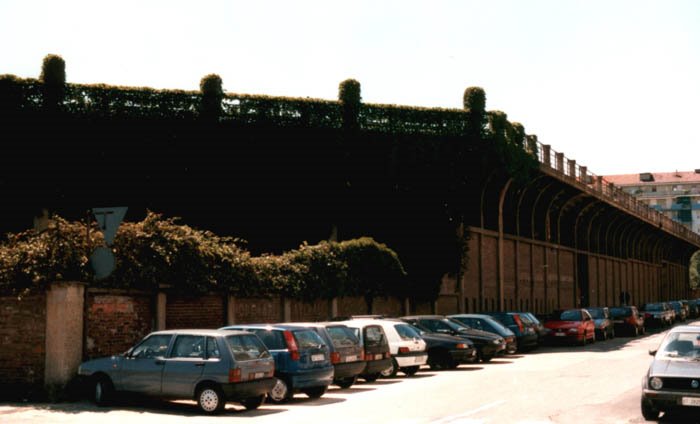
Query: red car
{"points": [[570, 326]]}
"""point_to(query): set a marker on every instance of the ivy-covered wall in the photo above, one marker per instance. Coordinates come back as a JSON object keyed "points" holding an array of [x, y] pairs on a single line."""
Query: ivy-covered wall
{"points": [[273, 171]]}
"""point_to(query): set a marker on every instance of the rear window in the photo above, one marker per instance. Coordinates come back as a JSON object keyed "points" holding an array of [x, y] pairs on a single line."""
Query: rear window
{"points": [[506, 319], [247, 347], [571, 316], [596, 313], [653, 307], [342, 336], [621, 312], [273, 339], [374, 336], [307, 339], [406, 332]]}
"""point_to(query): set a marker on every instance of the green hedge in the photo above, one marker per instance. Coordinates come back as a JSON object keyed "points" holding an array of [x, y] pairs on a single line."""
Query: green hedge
{"points": [[159, 251]]}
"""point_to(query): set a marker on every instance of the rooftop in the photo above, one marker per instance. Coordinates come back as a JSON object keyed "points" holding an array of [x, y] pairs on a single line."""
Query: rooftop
{"points": [[656, 178]]}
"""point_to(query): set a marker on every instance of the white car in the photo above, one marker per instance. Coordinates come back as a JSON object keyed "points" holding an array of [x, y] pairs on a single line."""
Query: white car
{"points": [[406, 345]]}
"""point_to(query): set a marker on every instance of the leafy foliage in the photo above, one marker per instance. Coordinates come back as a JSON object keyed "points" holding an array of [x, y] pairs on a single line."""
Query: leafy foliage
{"points": [[53, 70], [159, 251]]}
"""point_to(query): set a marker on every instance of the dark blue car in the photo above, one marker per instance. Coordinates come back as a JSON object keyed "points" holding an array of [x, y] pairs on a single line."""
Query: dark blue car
{"points": [[302, 359]]}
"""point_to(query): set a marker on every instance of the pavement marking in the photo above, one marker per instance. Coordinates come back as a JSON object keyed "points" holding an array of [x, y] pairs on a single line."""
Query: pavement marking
{"points": [[457, 418]]}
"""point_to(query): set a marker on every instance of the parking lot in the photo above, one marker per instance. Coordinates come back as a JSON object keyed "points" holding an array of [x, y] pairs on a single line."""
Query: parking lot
{"points": [[597, 383]]}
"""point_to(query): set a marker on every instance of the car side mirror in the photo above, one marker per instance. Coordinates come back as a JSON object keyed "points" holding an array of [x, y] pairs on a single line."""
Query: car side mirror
{"points": [[652, 352]]}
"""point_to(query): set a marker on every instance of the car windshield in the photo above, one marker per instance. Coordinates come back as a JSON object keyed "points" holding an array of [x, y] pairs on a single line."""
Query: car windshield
{"points": [[532, 317], [273, 339], [406, 332], [307, 339], [342, 336], [685, 345], [570, 316], [621, 312], [247, 347], [374, 336], [596, 313]]}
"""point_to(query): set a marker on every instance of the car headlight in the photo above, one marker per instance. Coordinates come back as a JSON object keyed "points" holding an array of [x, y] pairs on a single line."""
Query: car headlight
{"points": [[497, 341], [656, 383], [573, 330]]}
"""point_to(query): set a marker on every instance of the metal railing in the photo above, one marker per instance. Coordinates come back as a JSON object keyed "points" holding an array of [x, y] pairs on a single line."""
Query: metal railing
{"points": [[580, 177]]}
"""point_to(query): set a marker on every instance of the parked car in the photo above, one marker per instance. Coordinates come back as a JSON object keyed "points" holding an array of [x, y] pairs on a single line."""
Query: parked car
{"points": [[693, 311], [628, 320], [345, 348], [686, 306], [446, 351], [210, 366], [657, 314], [674, 315], [525, 333], [679, 308], [376, 347], [535, 322], [673, 375], [570, 325], [490, 324], [408, 349], [302, 359], [604, 327], [487, 344]]}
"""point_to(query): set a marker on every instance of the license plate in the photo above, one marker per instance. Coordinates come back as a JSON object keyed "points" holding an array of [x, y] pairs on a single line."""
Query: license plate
{"points": [[317, 358], [618, 321], [378, 356], [559, 334], [351, 358], [259, 375], [690, 401]]}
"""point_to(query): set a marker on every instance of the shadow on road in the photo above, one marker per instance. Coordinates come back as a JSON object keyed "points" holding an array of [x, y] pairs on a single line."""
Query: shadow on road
{"points": [[179, 408], [599, 346]]}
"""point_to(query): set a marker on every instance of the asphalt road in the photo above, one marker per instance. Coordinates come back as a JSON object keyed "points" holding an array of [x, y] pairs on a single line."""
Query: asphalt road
{"points": [[599, 383]]}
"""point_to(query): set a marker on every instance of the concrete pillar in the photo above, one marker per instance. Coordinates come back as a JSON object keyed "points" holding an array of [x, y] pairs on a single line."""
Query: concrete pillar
{"points": [[161, 304], [560, 162], [333, 307], [547, 154], [572, 168], [230, 310], [64, 334], [599, 184], [584, 174], [286, 310]]}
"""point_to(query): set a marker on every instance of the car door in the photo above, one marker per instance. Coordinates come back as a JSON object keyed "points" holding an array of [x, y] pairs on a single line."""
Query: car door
{"points": [[184, 365], [143, 367]]}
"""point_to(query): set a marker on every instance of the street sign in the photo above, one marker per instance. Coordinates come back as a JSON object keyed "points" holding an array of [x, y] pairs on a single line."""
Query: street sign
{"points": [[109, 219], [102, 262]]}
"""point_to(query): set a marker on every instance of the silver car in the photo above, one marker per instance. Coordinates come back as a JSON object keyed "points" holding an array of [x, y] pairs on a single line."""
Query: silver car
{"points": [[673, 378], [209, 366]]}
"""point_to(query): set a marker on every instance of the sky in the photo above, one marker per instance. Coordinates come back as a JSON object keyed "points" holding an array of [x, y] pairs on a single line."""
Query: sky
{"points": [[612, 84]]}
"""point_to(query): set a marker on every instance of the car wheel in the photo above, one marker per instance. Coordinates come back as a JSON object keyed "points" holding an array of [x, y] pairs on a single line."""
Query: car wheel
{"points": [[612, 333], [280, 392], [649, 412], [584, 340], [210, 399], [636, 331], [391, 372], [102, 391], [371, 378], [409, 371], [346, 383], [253, 403], [315, 392], [486, 358]]}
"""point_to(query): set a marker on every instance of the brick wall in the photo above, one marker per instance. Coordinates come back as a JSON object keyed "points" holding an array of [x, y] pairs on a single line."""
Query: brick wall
{"points": [[351, 306], [250, 311], [195, 312], [115, 322], [22, 346], [310, 311], [390, 306]]}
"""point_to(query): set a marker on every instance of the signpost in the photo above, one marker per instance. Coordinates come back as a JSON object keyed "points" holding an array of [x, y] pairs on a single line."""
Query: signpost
{"points": [[102, 258]]}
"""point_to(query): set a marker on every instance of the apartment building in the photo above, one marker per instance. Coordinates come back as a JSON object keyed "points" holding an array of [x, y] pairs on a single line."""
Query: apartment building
{"points": [[675, 194]]}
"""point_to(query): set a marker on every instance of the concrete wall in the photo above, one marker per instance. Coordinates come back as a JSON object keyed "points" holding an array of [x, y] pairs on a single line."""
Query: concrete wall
{"points": [[64, 333]]}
